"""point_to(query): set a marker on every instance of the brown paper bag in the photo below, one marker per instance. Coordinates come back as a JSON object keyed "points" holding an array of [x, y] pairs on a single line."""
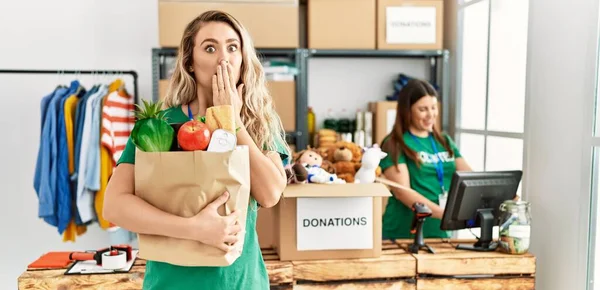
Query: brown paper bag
{"points": [[183, 183]]}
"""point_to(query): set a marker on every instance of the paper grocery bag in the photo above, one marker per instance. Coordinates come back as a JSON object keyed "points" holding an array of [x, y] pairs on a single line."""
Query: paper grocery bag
{"points": [[183, 183]]}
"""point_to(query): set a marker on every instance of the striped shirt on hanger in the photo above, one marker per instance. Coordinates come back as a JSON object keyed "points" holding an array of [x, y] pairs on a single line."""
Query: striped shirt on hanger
{"points": [[118, 119]]}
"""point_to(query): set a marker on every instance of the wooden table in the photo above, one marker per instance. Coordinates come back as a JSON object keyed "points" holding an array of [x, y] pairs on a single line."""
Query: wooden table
{"points": [[395, 269], [455, 269]]}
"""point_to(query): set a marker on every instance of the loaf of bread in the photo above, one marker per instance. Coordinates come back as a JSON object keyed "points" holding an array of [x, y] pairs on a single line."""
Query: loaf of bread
{"points": [[221, 117]]}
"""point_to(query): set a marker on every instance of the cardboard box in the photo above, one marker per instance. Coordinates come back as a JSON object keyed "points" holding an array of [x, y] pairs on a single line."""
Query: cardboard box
{"points": [[277, 27], [410, 24], [237, 1], [329, 221], [284, 97], [332, 22], [163, 85], [265, 227], [384, 117]]}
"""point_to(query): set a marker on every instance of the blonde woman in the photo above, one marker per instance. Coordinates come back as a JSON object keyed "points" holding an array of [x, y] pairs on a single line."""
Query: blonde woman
{"points": [[216, 65]]}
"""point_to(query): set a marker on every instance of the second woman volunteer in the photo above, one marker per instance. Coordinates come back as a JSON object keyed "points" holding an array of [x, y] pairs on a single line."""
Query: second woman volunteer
{"points": [[419, 157]]}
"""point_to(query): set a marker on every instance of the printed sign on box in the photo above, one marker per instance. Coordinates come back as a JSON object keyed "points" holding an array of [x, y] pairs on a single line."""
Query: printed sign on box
{"points": [[334, 223], [406, 24]]}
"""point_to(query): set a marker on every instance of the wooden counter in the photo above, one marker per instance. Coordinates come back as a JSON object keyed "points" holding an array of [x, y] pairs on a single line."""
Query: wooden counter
{"points": [[453, 269], [395, 269]]}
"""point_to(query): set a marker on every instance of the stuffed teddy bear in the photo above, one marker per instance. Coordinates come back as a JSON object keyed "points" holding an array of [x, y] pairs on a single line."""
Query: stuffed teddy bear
{"points": [[345, 157]]}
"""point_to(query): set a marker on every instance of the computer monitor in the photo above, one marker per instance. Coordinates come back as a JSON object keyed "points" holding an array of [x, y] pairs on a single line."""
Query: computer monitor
{"points": [[474, 200]]}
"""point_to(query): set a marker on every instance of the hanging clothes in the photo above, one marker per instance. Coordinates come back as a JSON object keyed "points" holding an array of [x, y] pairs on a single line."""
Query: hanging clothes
{"points": [[81, 132], [118, 120], [70, 107], [45, 173], [89, 155]]}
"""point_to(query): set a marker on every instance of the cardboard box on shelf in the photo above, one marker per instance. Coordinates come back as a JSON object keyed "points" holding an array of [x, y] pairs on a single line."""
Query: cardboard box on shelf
{"points": [[384, 116], [278, 27], [410, 24], [284, 97], [163, 86], [237, 1], [331, 22], [329, 221]]}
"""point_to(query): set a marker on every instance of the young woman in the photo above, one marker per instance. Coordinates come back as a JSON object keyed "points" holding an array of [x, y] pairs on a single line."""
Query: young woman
{"points": [[216, 65], [420, 158]]}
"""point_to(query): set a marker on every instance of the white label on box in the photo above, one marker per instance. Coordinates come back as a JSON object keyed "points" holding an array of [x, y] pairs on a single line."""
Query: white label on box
{"points": [[334, 223], [406, 25], [391, 120]]}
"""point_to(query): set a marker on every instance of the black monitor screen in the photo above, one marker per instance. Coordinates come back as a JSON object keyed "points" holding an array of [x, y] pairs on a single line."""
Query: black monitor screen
{"points": [[475, 197]]}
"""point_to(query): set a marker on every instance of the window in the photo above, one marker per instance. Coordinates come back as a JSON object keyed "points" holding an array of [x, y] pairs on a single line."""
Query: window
{"points": [[491, 58]]}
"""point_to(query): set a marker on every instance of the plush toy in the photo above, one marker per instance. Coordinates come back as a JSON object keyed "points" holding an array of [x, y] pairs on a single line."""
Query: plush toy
{"points": [[310, 157], [369, 165], [309, 166], [345, 157], [316, 174], [296, 173]]}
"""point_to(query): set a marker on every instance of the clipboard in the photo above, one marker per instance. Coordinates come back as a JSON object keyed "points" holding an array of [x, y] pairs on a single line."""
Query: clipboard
{"points": [[91, 268]]}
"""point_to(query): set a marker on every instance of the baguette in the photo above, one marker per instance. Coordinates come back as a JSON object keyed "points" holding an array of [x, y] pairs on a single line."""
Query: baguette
{"points": [[221, 117]]}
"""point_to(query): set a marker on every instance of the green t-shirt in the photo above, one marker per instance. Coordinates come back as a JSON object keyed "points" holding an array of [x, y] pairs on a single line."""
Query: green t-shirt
{"points": [[247, 272], [398, 217]]}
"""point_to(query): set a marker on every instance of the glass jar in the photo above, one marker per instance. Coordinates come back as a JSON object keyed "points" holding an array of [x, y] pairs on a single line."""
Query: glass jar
{"points": [[515, 227]]}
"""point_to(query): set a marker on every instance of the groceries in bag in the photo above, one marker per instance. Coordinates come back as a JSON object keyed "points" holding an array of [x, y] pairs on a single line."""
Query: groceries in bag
{"points": [[184, 176]]}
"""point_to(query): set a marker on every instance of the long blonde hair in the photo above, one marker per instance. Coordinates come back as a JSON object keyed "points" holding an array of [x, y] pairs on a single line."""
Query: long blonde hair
{"points": [[258, 111]]}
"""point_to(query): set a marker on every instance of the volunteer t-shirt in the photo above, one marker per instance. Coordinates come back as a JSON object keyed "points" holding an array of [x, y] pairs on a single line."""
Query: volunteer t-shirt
{"points": [[398, 217], [247, 272]]}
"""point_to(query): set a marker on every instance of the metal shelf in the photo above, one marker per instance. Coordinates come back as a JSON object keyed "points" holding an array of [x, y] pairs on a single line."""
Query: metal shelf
{"points": [[297, 55], [434, 58], [301, 56], [374, 53]]}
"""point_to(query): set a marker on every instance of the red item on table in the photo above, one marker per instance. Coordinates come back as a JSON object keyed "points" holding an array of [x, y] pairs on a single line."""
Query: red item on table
{"points": [[51, 260]]}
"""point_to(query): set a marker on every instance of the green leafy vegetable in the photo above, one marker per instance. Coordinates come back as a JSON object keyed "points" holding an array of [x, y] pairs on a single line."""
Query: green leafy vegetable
{"points": [[152, 132]]}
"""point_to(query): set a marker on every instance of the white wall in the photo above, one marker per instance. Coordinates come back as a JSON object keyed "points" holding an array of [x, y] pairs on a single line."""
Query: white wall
{"points": [[561, 78], [351, 83], [59, 34]]}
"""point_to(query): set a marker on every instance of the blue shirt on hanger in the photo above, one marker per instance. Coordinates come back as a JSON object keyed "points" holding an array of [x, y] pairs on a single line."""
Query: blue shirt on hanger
{"points": [[47, 170], [79, 117], [42, 151]]}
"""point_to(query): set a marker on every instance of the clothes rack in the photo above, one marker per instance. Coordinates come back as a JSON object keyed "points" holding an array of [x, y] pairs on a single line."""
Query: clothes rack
{"points": [[88, 72]]}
